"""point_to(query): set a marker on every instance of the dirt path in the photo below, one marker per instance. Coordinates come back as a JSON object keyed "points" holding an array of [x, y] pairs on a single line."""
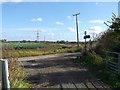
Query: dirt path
{"points": [[59, 71]]}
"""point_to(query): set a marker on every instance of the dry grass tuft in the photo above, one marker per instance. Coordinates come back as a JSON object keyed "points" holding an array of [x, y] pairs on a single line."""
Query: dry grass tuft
{"points": [[17, 75]]}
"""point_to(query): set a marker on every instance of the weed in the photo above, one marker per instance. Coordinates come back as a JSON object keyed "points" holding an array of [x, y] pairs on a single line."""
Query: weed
{"points": [[17, 75]]}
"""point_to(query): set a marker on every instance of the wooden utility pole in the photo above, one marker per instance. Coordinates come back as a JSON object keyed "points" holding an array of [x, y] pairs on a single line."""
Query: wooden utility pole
{"points": [[77, 28]]}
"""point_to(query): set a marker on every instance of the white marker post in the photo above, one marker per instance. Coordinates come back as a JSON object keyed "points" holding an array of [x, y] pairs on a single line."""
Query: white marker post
{"points": [[0, 75], [4, 74]]}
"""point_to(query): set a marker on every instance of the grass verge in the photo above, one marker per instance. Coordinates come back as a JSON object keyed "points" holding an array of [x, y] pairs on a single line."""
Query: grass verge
{"points": [[26, 53], [96, 64], [17, 75]]}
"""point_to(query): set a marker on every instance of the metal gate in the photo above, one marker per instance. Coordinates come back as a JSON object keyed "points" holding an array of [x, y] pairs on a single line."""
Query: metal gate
{"points": [[113, 62]]}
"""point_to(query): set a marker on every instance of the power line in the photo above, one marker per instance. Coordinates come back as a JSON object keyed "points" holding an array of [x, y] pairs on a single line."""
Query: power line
{"points": [[37, 35], [77, 28]]}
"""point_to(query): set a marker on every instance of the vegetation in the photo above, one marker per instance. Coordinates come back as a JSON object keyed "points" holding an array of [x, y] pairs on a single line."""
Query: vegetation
{"points": [[17, 75], [26, 53], [96, 64], [12, 51], [17, 50], [18, 46], [95, 57], [110, 40], [62, 41]]}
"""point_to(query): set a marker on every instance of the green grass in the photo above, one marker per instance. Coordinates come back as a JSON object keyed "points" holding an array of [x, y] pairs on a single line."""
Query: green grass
{"points": [[26, 53], [96, 64], [22, 84], [18, 46]]}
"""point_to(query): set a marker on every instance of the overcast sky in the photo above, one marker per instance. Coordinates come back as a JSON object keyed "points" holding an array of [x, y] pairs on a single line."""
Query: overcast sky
{"points": [[55, 20]]}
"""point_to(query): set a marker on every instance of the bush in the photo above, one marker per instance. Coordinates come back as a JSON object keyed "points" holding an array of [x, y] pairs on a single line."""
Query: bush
{"points": [[97, 64], [109, 41]]}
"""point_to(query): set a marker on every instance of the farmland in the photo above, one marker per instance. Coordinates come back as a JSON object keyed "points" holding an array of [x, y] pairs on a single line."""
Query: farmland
{"points": [[34, 49], [18, 46], [14, 50]]}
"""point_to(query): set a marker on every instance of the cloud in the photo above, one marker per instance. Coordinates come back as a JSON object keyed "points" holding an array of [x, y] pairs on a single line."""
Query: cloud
{"points": [[96, 21], [60, 23], [51, 34], [69, 17], [96, 3], [31, 29], [71, 29], [42, 29], [25, 29], [37, 19], [94, 29], [11, 0]]}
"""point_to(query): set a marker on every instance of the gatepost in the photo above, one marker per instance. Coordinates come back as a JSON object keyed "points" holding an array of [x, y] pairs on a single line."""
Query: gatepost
{"points": [[0, 75], [4, 75]]}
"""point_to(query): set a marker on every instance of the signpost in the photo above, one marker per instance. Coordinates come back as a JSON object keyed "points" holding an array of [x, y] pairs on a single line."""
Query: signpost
{"points": [[85, 37]]}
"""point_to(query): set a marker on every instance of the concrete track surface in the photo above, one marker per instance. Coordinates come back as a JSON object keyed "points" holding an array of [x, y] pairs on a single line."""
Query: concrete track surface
{"points": [[61, 72]]}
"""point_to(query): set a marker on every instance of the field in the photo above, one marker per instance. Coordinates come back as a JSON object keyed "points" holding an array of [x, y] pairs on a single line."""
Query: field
{"points": [[33, 49], [18, 46], [12, 51]]}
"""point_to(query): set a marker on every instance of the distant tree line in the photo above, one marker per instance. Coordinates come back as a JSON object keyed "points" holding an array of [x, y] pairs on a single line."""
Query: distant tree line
{"points": [[29, 41]]}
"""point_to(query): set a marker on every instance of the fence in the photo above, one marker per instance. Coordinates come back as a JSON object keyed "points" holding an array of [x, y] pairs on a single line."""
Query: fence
{"points": [[113, 62], [4, 75]]}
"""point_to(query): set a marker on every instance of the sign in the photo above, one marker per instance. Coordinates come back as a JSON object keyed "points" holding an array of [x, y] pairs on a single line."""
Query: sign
{"points": [[86, 36]]}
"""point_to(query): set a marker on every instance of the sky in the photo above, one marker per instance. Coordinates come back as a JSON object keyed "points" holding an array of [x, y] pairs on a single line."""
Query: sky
{"points": [[54, 20]]}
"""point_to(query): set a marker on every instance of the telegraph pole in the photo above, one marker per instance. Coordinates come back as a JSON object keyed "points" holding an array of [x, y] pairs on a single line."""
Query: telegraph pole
{"points": [[77, 28]]}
